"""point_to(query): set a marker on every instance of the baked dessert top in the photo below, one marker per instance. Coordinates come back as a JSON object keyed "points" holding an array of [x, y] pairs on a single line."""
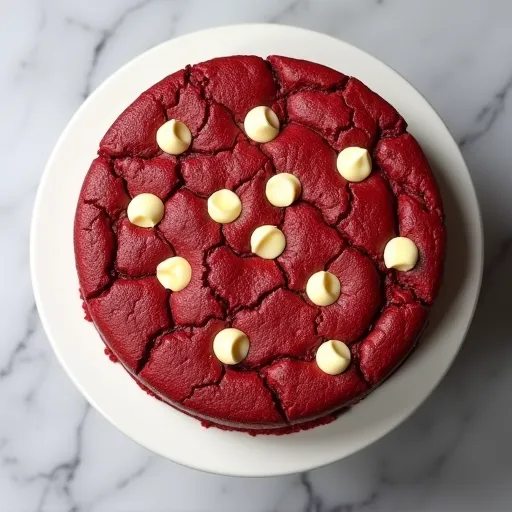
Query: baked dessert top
{"points": [[259, 241]]}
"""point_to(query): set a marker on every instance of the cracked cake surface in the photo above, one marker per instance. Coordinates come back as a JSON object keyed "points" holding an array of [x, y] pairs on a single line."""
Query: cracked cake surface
{"points": [[165, 338]]}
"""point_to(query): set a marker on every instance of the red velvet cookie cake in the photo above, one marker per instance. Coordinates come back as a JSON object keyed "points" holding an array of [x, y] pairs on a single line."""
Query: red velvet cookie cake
{"points": [[259, 242]]}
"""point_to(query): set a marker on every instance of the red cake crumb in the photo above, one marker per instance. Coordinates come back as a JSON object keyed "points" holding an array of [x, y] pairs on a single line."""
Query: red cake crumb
{"points": [[164, 338], [111, 355], [87, 317]]}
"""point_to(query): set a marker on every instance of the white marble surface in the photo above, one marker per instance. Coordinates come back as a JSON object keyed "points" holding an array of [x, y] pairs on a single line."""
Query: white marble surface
{"points": [[56, 454]]}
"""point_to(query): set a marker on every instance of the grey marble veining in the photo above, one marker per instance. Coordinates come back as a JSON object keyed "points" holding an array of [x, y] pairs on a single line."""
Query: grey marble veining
{"points": [[57, 454]]}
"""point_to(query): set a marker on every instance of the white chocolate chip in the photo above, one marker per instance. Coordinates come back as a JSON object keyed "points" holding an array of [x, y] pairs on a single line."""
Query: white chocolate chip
{"points": [[401, 254], [145, 210], [323, 288], [231, 346], [174, 273], [261, 124], [224, 206], [333, 357], [173, 137], [354, 164], [283, 189], [268, 242]]}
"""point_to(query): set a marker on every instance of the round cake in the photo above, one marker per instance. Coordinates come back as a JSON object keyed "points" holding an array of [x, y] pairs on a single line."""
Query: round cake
{"points": [[259, 242]]}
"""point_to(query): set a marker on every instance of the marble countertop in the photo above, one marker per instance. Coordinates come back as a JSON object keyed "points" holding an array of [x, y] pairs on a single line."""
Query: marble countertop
{"points": [[57, 454]]}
